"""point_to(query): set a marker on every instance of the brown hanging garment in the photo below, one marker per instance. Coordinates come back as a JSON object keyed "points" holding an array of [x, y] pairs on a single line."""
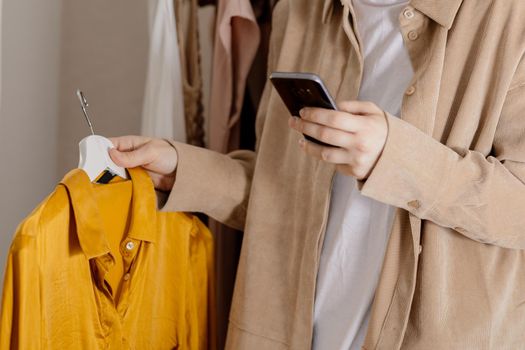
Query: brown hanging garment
{"points": [[258, 74], [188, 37]]}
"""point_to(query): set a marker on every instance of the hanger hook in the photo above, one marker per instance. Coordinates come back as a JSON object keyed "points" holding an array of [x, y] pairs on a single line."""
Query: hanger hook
{"points": [[84, 105]]}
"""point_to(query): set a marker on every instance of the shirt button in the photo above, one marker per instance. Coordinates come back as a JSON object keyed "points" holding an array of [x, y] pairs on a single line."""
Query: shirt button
{"points": [[414, 204], [413, 35], [410, 91], [127, 276], [420, 248], [408, 13], [130, 245]]}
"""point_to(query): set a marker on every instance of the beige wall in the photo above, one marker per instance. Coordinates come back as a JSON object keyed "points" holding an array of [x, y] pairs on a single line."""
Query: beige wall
{"points": [[49, 49], [104, 53], [28, 113]]}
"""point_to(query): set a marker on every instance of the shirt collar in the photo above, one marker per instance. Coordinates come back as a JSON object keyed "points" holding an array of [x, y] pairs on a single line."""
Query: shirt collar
{"points": [[88, 221], [443, 11]]}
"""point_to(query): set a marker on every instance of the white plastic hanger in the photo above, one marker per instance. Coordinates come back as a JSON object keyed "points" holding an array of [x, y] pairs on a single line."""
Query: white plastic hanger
{"points": [[94, 151]]}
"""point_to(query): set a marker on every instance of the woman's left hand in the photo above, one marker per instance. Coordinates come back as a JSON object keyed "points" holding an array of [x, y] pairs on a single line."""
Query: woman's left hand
{"points": [[359, 129]]}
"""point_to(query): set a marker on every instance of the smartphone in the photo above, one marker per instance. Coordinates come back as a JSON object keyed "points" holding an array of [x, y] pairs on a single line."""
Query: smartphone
{"points": [[298, 90]]}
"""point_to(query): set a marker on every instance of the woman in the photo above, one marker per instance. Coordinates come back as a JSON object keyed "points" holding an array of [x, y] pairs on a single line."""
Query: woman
{"points": [[410, 233]]}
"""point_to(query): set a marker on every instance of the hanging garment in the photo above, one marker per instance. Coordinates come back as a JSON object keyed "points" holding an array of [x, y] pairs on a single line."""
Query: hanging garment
{"points": [[186, 13], [257, 76], [97, 267], [236, 42], [163, 111], [206, 18]]}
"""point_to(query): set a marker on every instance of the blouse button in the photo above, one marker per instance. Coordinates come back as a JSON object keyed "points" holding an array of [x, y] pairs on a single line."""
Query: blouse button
{"points": [[413, 35], [408, 13], [414, 204], [130, 245], [410, 91]]}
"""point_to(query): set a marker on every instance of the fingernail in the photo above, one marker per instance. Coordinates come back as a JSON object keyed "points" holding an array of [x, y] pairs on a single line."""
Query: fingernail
{"points": [[301, 142], [301, 112]]}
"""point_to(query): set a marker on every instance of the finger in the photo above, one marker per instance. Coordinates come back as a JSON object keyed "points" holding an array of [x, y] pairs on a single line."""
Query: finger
{"points": [[323, 133], [130, 159], [328, 154], [335, 119], [129, 143], [359, 107]]}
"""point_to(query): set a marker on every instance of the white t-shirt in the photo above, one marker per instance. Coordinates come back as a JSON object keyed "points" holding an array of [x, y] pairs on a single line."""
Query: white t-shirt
{"points": [[359, 227]]}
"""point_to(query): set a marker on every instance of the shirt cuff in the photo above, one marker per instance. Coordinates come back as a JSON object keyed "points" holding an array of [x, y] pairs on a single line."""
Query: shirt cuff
{"points": [[411, 171]]}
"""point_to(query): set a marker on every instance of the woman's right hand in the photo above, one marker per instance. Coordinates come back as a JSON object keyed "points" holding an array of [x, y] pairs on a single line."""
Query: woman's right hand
{"points": [[157, 156]]}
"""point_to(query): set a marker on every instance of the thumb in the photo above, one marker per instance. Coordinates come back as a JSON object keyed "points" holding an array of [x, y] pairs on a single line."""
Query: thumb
{"points": [[131, 159]]}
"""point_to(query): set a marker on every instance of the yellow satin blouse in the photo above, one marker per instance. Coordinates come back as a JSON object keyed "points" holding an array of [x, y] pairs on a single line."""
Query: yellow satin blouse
{"points": [[99, 267]]}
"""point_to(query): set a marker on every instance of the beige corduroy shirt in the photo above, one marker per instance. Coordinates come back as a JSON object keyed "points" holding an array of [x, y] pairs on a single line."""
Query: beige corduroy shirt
{"points": [[454, 164]]}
